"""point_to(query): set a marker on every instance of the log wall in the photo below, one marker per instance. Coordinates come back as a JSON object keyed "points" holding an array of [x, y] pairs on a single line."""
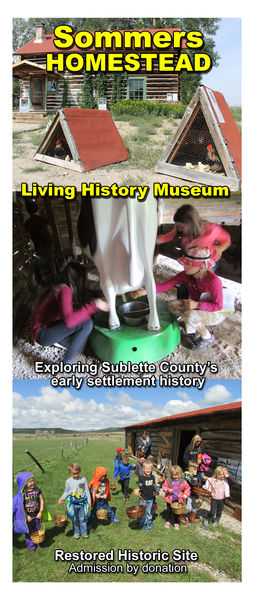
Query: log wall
{"points": [[221, 438], [157, 86]]}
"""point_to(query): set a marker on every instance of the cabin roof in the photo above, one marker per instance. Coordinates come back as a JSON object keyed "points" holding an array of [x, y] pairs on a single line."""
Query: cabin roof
{"points": [[48, 45], [194, 413]]}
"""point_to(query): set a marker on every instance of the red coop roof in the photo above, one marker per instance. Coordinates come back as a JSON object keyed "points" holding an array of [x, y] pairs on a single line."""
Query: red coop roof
{"points": [[96, 137], [227, 125]]}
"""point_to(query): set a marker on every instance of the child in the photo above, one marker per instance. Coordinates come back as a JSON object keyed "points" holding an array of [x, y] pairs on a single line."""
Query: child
{"points": [[77, 492], [40, 232], [118, 457], [62, 314], [100, 494], [203, 467], [193, 479], [205, 301], [176, 489], [196, 232], [163, 465], [147, 489], [219, 487], [124, 471], [28, 508], [139, 465]]}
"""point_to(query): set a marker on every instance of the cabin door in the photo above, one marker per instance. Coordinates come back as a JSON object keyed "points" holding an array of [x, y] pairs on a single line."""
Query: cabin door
{"points": [[185, 439], [37, 92]]}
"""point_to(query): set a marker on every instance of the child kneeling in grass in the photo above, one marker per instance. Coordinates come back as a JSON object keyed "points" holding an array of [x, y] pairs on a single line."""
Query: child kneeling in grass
{"points": [[79, 499], [203, 308], [99, 488], [148, 490]]}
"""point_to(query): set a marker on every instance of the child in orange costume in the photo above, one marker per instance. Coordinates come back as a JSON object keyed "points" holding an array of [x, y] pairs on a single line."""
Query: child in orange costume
{"points": [[100, 494]]}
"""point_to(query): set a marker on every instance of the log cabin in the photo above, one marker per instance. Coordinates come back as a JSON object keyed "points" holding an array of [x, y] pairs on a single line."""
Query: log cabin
{"points": [[220, 429], [44, 91]]}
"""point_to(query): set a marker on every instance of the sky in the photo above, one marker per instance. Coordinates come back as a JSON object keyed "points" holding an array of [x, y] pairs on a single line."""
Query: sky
{"points": [[226, 78], [37, 404]]}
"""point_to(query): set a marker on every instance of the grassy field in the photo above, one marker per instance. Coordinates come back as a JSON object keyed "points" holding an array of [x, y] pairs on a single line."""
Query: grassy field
{"points": [[218, 551]]}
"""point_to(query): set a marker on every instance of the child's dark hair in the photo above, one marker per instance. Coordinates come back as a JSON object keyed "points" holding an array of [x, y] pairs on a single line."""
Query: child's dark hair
{"points": [[74, 275], [188, 215]]}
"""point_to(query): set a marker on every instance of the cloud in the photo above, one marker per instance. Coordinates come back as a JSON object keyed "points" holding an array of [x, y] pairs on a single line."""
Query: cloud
{"points": [[183, 395], [54, 408], [217, 394], [174, 407], [114, 408]]}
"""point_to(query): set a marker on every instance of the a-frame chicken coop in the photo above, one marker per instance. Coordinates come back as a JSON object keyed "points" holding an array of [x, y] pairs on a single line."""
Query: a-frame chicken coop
{"points": [[88, 139], [206, 146]]}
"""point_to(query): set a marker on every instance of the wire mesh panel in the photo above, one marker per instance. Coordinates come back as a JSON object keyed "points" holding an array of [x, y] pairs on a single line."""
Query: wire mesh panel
{"points": [[195, 149]]}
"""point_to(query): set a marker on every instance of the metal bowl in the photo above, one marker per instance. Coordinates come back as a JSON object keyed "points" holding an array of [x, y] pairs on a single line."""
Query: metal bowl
{"points": [[134, 313]]}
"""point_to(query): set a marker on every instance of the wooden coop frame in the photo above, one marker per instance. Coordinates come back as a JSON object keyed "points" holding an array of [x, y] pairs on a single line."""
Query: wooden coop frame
{"points": [[90, 137], [220, 130]]}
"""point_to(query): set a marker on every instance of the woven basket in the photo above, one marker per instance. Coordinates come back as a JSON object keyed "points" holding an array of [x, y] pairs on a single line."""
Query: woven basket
{"points": [[200, 492], [102, 514], [38, 536], [112, 486], [178, 508], [60, 518], [161, 479], [137, 511]]}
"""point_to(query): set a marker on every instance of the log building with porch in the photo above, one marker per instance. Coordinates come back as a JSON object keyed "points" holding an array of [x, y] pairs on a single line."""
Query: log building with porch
{"points": [[45, 90]]}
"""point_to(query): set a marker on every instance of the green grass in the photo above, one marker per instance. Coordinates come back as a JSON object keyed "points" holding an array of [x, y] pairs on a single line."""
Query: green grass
{"points": [[33, 170], [222, 553], [237, 114], [36, 138]]}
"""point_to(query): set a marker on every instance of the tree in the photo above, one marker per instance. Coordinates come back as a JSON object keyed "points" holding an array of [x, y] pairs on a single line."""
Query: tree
{"points": [[86, 99]]}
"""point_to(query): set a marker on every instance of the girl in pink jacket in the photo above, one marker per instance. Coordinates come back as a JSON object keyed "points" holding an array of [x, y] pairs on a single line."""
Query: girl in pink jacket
{"points": [[63, 314], [176, 489], [196, 232], [219, 487]]}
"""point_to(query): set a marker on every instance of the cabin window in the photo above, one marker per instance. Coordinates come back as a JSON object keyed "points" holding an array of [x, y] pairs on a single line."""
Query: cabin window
{"points": [[52, 86], [136, 88]]}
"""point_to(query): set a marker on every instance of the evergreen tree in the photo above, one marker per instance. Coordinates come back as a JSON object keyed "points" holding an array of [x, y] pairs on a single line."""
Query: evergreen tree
{"points": [[87, 98]]}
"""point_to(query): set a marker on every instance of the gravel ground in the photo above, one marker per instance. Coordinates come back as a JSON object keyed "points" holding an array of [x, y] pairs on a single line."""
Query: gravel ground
{"points": [[20, 127], [226, 352]]}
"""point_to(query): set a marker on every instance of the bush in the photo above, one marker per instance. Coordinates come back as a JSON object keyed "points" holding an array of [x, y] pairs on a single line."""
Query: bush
{"points": [[135, 108]]}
